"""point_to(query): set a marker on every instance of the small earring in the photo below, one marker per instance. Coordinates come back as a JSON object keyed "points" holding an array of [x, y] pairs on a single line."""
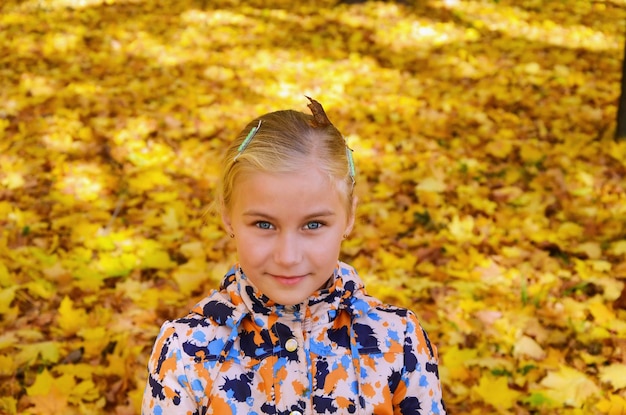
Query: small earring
{"points": [[232, 235], [345, 236]]}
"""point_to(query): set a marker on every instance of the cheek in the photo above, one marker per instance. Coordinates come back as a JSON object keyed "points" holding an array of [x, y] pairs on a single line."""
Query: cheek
{"points": [[247, 249], [328, 248], [253, 249]]}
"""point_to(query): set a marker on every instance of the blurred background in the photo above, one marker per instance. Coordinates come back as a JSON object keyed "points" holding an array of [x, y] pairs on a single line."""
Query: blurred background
{"points": [[492, 189]]}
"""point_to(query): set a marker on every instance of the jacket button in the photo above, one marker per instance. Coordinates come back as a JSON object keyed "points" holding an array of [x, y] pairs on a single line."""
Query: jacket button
{"points": [[295, 412], [292, 345]]}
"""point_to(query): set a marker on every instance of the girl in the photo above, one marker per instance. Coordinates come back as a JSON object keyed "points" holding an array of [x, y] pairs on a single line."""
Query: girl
{"points": [[291, 330]]}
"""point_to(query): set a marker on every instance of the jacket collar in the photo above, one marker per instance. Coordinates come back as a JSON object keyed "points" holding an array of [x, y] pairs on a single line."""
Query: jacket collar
{"points": [[342, 292], [239, 297]]}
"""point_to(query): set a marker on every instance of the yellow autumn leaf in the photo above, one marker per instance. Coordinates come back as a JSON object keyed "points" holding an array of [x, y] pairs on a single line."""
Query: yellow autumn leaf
{"points": [[568, 386], [50, 395], [492, 363], [595, 333], [590, 359], [591, 249], [7, 365], [28, 353], [170, 219], [6, 278], [117, 365], [8, 405], [600, 265], [531, 152], [71, 319], [80, 371], [6, 298], [44, 382], [575, 309], [135, 396], [6, 209], [13, 180], [614, 405], [156, 259], [40, 288], [149, 179], [192, 249], [84, 391], [569, 230], [527, 346], [618, 327], [496, 392], [191, 275], [431, 184], [614, 374], [617, 150], [152, 255], [462, 228], [499, 148], [455, 362], [601, 313], [48, 350], [7, 340], [618, 248], [55, 272], [96, 339], [164, 197], [115, 264]]}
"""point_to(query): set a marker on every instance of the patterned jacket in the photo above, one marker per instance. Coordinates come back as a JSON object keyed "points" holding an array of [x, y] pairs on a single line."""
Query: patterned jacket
{"points": [[342, 352]]}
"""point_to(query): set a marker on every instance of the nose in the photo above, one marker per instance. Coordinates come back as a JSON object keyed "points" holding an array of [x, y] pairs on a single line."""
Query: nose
{"points": [[287, 251]]}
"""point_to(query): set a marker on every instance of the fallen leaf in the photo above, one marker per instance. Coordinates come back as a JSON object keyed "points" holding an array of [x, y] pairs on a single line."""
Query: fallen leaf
{"points": [[569, 387], [528, 347], [71, 319], [614, 374], [496, 392]]}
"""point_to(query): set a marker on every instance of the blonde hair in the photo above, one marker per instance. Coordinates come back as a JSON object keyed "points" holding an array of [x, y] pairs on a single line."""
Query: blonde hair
{"points": [[287, 141]]}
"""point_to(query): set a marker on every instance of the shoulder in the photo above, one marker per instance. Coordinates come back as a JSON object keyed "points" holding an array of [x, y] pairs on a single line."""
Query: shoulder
{"points": [[390, 315], [393, 322], [223, 307], [204, 330]]}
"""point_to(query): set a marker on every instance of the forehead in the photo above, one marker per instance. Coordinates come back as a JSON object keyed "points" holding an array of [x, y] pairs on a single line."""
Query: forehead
{"points": [[304, 190]]}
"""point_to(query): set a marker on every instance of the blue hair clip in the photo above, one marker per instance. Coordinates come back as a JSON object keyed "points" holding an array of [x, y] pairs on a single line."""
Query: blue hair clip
{"points": [[247, 140]]}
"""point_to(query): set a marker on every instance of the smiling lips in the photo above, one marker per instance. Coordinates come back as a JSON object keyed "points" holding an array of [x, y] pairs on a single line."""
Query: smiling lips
{"points": [[288, 280]]}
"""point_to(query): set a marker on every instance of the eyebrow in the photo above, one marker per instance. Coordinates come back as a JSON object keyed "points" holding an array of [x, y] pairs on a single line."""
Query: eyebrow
{"points": [[321, 213]]}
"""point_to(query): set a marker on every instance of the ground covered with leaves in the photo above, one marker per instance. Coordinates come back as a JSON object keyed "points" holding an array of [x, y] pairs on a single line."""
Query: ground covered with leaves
{"points": [[493, 197]]}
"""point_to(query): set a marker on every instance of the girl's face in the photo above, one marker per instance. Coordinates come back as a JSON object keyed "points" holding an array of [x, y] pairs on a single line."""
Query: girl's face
{"points": [[288, 229]]}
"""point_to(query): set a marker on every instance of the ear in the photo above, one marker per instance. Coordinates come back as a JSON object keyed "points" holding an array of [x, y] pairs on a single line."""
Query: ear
{"points": [[352, 216], [226, 219]]}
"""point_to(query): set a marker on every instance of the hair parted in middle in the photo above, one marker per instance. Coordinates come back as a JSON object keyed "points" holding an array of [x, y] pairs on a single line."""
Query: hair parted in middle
{"points": [[287, 141]]}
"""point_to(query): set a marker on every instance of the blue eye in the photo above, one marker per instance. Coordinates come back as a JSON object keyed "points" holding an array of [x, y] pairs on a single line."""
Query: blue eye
{"points": [[314, 225], [263, 225]]}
